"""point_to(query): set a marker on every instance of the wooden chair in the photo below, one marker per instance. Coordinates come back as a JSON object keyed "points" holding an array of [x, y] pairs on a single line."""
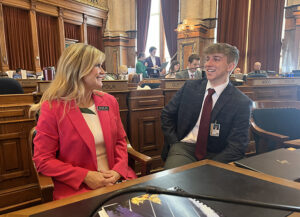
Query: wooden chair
{"points": [[273, 123], [19, 184], [134, 158]]}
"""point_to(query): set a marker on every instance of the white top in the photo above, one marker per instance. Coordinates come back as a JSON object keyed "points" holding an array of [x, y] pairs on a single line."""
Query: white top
{"points": [[192, 136], [94, 124], [153, 60]]}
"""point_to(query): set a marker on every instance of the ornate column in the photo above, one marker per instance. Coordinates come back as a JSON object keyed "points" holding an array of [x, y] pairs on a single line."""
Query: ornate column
{"points": [[83, 29], [197, 28], [3, 52], [291, 41], [119, 36], [61, 30], [35, 43]]}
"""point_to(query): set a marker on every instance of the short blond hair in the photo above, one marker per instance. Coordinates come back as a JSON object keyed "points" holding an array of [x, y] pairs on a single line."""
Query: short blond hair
{"points": [[231, 52], [76, 61]]}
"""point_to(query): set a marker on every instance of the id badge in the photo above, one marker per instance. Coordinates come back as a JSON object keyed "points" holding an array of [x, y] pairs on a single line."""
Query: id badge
{"points": [[215, 129]]}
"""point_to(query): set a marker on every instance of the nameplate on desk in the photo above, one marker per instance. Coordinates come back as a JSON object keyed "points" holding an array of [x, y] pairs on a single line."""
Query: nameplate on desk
{"points": [[273, 81], [116, 85], [174, 84], [103, 108]]}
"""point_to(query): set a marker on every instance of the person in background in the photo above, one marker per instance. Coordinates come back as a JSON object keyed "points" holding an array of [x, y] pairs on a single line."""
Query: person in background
{"points": [[141, 65], [237, 70], [175, 66], [257, 72], [18, 74], [153, 63], [207, 118], [80, 141], [192, 71], [123, 72]]}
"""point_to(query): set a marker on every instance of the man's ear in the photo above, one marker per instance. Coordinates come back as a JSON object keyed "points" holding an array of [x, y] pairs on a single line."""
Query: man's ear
{"points": [[231, 67]]}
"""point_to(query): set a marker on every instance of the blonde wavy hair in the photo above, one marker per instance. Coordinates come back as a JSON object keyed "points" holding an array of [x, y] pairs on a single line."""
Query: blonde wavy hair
{"points": [[76, 61]]}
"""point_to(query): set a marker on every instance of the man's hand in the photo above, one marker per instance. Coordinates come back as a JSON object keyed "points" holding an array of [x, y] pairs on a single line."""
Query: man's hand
{"points": [[96, 180]]}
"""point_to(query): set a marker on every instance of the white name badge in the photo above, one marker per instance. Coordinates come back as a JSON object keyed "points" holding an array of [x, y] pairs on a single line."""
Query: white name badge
{"points": [[215, 129]]}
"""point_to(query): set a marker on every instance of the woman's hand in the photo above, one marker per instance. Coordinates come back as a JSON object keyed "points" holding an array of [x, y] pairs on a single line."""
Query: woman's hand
{"points": [[111, 173], [96, 180]]}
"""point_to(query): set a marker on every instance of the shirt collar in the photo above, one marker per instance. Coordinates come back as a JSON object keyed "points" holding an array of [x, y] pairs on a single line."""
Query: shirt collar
{"points": [[218, 89], [191, 72]]}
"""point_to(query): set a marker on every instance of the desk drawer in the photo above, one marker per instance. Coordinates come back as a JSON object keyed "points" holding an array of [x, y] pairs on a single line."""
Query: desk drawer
{"points": [[146, 102]]}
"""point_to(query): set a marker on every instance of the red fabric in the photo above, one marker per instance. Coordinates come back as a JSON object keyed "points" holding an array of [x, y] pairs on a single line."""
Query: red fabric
{"points": [[72, 31], [232, 25], [201, 144], [170, 11], [47, 27], [143, 16], [18, 38], [265, 30], [65, 147]]}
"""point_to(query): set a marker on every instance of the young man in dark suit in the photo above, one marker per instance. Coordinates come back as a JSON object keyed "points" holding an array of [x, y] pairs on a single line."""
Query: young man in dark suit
{"points": [[208, 118], [153, 63]]}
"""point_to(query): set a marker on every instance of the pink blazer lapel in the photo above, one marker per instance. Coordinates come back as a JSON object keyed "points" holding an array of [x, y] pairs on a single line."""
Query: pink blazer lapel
{"points": [[103, 109], [82, 129]]}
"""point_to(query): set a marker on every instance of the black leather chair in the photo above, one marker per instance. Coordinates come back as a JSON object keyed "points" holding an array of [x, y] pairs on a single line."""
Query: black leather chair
{"points": [[10, 86], [273, 126]]}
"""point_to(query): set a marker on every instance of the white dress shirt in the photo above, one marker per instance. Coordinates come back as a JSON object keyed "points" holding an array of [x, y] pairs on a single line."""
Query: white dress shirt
{"points": [[191, 74], [154, 63], [192, 136]]}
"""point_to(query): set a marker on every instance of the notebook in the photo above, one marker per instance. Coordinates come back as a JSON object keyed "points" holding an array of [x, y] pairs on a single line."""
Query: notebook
{"points": [[155, 205]]}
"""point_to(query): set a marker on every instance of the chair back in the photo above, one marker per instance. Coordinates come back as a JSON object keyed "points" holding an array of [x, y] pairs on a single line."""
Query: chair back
{"points": [[10, 86], [284, 121]]}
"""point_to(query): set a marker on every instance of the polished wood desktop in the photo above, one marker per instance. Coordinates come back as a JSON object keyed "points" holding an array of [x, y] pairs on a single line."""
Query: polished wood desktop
{"points": [[83, 204]]}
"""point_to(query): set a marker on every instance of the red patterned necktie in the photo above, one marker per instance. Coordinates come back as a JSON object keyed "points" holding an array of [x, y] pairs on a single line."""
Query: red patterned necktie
{"points": [[203, 132]]}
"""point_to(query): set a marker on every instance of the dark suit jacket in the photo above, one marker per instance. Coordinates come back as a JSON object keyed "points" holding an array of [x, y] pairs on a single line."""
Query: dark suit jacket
{"points": [[231, 111], [185, 75], [150, 71]]}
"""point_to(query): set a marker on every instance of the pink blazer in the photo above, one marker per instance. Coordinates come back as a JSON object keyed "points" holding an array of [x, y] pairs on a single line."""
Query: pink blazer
{"points": [[64, 146]]}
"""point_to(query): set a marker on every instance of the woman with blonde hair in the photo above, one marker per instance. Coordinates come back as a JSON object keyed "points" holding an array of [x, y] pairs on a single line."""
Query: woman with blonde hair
{"points": [[80, 140]]}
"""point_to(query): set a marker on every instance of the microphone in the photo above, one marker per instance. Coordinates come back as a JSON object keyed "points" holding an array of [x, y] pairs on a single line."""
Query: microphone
{"points": [[185, 70], [158, 190]]}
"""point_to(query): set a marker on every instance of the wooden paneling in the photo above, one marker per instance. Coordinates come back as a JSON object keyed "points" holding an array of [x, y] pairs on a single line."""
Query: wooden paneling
{"points": [[274, 92], [47, 9], [3, 51], [18, 181], [16, 99], [34, 40], [144, 123], [67, 11], [187, 49], [73, 17], [94, 21]]}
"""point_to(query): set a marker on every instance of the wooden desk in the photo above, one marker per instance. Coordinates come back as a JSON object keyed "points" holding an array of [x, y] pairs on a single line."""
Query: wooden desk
{"points": [[170, 87], [29, 85], [218, 179], [145, 132], [275, 88]]}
